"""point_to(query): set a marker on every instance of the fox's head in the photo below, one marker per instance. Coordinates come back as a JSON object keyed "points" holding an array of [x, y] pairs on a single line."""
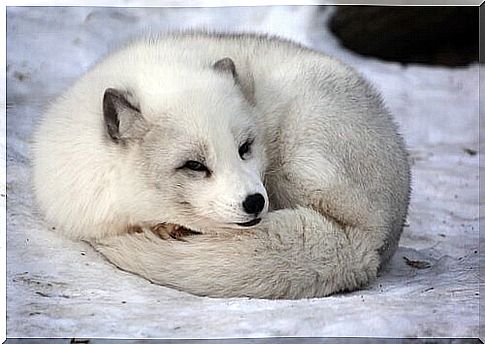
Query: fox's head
{"points": [[197, 151]]}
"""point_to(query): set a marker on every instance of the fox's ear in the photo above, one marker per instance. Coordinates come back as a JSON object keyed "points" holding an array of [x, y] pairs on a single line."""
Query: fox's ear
{"points": [[243, 78], [226, 65], [122, 118]]}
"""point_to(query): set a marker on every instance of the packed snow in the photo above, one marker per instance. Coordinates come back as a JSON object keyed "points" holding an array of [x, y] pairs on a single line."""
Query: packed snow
{"points": [[60, 288]]}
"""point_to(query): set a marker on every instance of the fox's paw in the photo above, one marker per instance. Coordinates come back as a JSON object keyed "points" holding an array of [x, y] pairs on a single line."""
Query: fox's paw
{"points": [[134, 229], [170, 231]]}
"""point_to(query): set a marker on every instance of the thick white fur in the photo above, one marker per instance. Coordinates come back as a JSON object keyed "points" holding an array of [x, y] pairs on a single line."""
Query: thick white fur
{"points": [[326, 157]]}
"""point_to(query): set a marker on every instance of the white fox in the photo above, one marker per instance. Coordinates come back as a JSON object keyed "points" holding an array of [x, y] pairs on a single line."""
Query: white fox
{"points": [[283, 160]]}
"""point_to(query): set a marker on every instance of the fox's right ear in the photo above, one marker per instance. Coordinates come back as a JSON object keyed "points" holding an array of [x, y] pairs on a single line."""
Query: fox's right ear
{"points": [[123, 119], [243, 78]]}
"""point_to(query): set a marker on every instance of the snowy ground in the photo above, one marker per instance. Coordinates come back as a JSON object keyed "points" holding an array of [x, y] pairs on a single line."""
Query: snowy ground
{"points": [[60, 288]]}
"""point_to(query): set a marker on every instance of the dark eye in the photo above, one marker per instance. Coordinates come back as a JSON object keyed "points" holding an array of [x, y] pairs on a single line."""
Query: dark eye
{"points": [[195, 166], [245, 148]]}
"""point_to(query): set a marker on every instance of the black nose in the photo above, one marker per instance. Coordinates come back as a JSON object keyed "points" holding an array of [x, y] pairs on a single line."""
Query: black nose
{"points": [[253, 204]]}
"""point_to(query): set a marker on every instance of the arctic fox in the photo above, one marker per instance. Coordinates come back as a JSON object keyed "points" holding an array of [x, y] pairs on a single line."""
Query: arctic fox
{"points": [[283, 160]]}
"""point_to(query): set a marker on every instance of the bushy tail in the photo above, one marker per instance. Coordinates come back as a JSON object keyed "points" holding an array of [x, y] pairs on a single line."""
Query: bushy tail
{"points": [[293, 254]]}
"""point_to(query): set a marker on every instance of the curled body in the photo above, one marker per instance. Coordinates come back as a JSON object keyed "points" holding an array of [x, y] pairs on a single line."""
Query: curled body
{"points": [[284, 160]]}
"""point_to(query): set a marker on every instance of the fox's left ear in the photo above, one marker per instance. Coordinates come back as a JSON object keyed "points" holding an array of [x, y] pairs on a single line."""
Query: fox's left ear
{"points": [[242, 76], [122, 117]]}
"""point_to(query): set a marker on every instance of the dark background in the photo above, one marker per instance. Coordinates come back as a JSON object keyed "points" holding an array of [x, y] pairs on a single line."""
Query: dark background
{"points": [[428, 34]]}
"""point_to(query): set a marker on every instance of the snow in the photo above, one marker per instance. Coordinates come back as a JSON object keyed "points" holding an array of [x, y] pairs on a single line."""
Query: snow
{"points": [[60, 288]]}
